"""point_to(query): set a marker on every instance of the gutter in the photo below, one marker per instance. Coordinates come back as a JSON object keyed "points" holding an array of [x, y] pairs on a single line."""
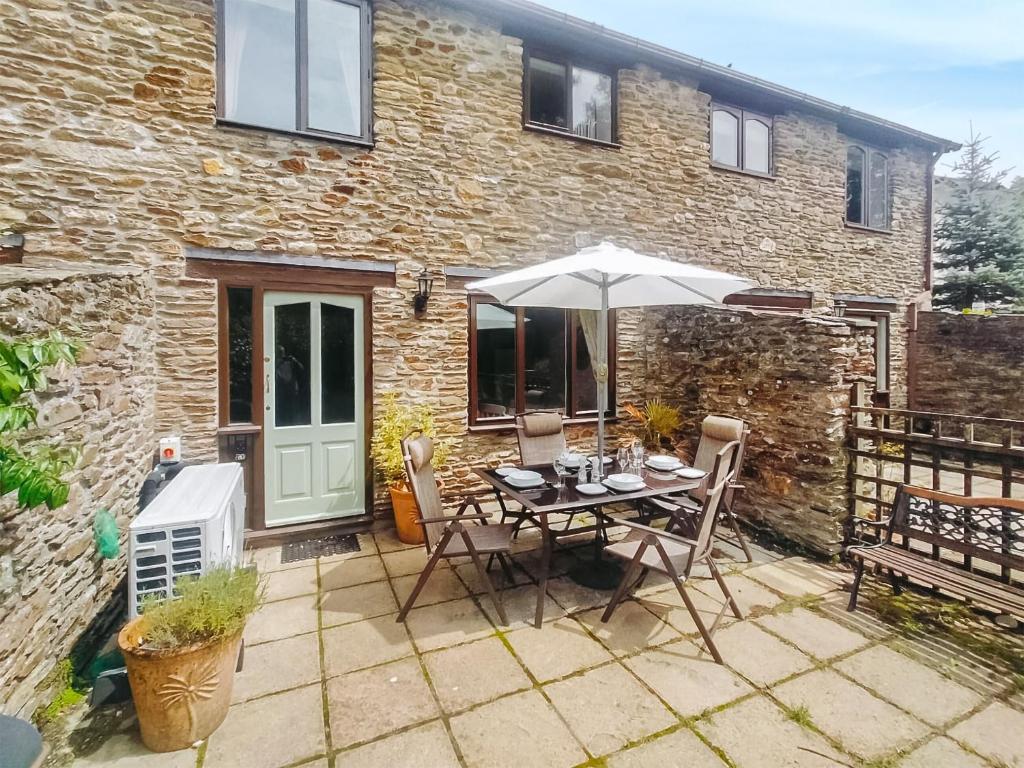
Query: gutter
{"points": [[524, 11]]}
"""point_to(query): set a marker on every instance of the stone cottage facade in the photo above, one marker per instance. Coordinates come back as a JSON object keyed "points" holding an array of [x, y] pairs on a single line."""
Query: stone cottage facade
{"points": [[119, 147]]}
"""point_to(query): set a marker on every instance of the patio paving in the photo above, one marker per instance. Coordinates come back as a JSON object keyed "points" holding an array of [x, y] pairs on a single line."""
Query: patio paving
{"points": [[331, 680]]}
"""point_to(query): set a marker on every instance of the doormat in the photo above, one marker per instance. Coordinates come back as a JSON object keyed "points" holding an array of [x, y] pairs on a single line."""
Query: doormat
{"points": [[322, 547]]}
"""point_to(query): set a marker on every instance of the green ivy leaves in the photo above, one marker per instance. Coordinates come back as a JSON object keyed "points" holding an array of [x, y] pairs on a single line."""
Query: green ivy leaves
{"points": [[37, 476]]}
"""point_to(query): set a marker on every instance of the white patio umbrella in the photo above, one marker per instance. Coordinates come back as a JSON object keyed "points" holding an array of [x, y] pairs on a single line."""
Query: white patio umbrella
{"points": [[604, 277]]}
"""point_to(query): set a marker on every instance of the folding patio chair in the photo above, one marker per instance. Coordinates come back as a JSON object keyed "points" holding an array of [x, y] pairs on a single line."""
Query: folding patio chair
{"points": [[651, 549], [451, 536], [716, 431]]}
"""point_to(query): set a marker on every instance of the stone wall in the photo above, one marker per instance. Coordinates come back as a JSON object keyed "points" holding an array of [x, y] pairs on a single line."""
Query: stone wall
{"points": [[111, 153], [789, 377], [969, 364], [104, 405]]}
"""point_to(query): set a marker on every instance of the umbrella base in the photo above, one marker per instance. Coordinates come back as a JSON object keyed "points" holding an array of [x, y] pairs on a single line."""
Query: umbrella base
{"points": [[597, 573]]}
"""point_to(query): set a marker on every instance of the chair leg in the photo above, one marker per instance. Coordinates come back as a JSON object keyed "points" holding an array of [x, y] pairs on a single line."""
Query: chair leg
{"points": [[545, 570], [725, 589], [855, 587], [627, 577], [486, 579], [897, 583], [424, 575], [740, 538], [506, 568], [704, 633]]}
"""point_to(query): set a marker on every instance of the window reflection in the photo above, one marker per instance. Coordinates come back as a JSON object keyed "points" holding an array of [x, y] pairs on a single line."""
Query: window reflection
{"points": [[337, 365], [335, 78], [584, 389], [547, 93], [495, 360], [855, 185], [724, 138], [878, 192], [291, 365], [756, 150], [544, 333], [591, 104], [240, 355]]}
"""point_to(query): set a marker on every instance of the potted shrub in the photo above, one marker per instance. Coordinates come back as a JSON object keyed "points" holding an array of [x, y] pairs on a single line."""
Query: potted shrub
{"points": [[181, 656], [657, 421], [394, 421]]}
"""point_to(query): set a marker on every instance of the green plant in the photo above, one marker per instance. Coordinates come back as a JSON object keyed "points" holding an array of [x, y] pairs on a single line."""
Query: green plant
{"points": [[800, 715], [656, 419], [36, 476], [394, 421], [211, 607], [72, 689]]}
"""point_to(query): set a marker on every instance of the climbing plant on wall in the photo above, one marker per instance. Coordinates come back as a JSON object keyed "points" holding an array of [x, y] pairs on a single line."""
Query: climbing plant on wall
{"points": [[34, 473]]}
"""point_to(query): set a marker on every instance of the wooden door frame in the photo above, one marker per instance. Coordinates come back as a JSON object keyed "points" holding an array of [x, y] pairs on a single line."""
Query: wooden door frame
{"points": [[260, 278]]}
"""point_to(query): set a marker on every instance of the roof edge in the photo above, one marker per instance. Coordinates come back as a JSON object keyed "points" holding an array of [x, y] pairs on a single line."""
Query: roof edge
{"points": [[525, 10]]}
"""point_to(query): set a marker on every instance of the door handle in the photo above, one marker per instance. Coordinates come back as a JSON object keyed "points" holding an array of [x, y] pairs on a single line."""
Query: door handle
{"points": [[267, 390]]}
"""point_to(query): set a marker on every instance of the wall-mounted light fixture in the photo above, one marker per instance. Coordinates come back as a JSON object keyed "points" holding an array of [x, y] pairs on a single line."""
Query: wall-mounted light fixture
{"points": [[424, 286], [839, 307]]}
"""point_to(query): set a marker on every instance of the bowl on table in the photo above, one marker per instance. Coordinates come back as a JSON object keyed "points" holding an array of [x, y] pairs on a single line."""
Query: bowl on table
{"points": [[624, 481], [524, 478], [664, 462], [690, 473], [571, 460]]}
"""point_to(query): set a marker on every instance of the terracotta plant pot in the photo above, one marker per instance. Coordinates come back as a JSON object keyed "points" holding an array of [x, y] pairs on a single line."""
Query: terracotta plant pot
{"points": [[181, 695], [406, 513]]}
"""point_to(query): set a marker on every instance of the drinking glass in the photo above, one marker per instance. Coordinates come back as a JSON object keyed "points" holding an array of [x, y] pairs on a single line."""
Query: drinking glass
{"points": [[560, 471], [622, 456]]}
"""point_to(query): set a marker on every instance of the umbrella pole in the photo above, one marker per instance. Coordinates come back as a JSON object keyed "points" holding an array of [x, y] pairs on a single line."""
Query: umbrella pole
{"points": [[602, 385]]}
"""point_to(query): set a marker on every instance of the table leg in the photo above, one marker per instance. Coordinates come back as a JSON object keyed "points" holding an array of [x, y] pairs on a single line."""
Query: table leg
{"points": [[545, 568]]}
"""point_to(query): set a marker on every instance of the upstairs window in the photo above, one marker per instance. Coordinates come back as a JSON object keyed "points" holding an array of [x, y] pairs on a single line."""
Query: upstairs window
{"points": [[301, 66], [561, 96], [741, 139], [867, 188]]}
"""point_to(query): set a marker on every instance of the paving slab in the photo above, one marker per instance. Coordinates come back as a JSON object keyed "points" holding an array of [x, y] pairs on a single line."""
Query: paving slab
{"points": [[757, 734], [573, 597], [558, 648], [403, 562], [276, 621], [364, 644], [426, 746], [474, 673], [442, 585], [864, 724], [363, 601], [796, 577], [126, 750], [997, 732], [520, 604], [387, 541], [941, 753], [445, 624], [278, 666], [910, 685], [518, 731], [348, 573], [758, 656], [294, 582], [607, 708], [679, 749], [268, 559], [813, 634], [630, 629], [669, 605], [753, 598], [245, 740], [690, 684], [471, 577], [372, 702]]}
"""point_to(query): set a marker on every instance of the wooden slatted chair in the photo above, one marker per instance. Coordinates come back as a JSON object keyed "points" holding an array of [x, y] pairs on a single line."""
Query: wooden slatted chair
{"points": [[651, 549], [451, 536]]}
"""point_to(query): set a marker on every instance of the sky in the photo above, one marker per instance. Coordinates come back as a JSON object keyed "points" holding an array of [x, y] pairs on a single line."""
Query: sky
{"points": [[934, 65]]}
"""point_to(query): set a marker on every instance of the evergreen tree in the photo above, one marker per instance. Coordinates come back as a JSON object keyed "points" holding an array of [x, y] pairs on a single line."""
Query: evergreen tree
{"points": [[979, 252]]}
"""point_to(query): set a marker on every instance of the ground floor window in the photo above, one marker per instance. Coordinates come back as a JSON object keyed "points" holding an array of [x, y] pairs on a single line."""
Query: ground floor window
{"points": [[526, 358]]}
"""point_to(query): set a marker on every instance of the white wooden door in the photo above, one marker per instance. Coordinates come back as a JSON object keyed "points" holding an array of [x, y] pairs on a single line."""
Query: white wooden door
{"points": [[313, 431]]}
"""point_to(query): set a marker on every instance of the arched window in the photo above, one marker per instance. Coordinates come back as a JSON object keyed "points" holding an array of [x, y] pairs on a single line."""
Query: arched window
{"points": [[867, 188], [741, 139]]}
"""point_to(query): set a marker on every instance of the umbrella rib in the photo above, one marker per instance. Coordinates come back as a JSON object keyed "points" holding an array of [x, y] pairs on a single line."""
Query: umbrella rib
{"points": [[692, 290], [536, 285]]}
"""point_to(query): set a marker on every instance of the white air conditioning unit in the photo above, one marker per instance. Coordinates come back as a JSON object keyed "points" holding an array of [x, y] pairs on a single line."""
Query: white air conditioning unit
{"points": [[195, 523]]}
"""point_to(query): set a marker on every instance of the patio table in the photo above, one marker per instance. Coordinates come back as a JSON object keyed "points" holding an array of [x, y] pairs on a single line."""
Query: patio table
{"points": [[547, 499]]}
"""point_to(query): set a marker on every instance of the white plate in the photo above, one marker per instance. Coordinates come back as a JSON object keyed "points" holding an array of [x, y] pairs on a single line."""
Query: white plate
{"points": [[668, 464], [505, 471], [691, 473], [625, 488], [625, 478], [591, 489], [524, 475], [525, 483], [607, 459]]}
